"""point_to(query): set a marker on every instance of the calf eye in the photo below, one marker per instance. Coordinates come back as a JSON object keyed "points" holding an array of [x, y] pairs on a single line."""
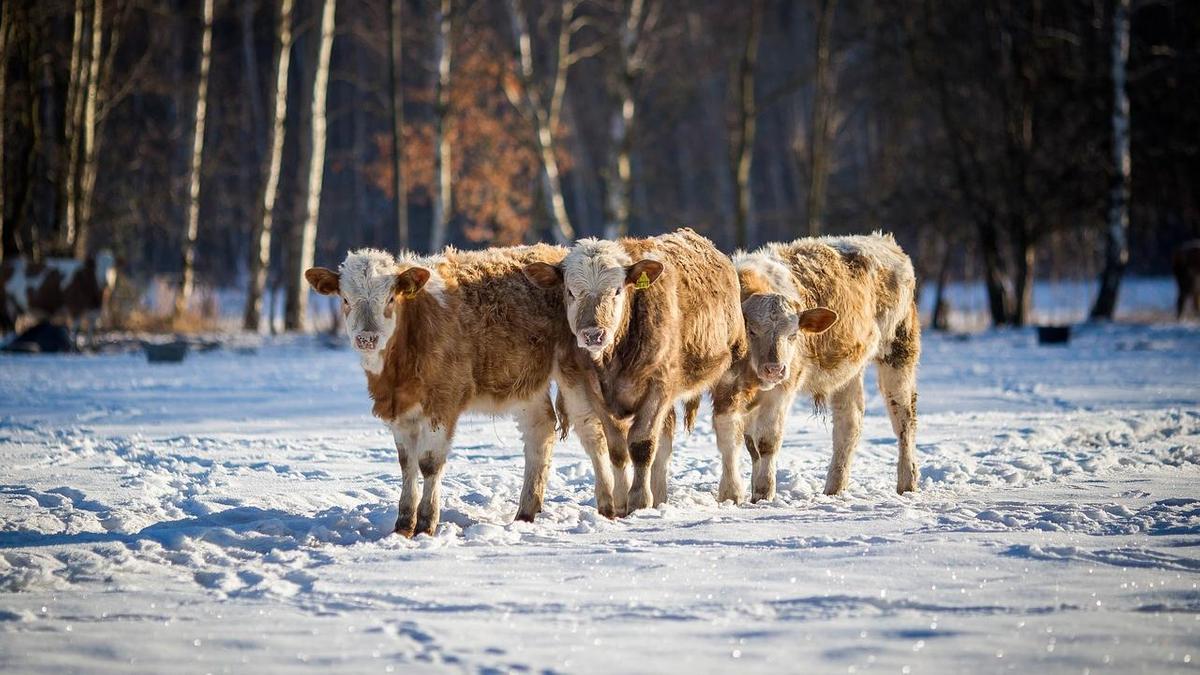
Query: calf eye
{"points": [[345, 302], [617, 291], [391, 299], [570, 294]]}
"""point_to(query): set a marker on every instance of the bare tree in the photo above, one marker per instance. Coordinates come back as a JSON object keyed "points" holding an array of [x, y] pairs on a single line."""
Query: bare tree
{"points": [[443, 52], [73, 126], [396, 99], [544, 111], [741, 146], [1116, 244], [193, 218], [821, 134], [99, 100], [629, 63], [260, 236], [296, 308]]}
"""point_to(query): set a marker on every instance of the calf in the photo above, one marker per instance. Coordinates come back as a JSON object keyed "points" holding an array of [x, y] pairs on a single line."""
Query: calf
{"points": [[655, 320], [441, 335], [817, 311], [1185, 262], [57, 288]]}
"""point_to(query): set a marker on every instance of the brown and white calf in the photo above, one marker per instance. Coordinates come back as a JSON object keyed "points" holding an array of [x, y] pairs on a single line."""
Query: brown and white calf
{"points": [[56, 288], [438, 336], [1185, 263], [817, 311], [655, 320]]}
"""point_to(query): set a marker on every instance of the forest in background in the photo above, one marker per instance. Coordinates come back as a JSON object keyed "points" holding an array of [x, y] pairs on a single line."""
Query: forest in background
{"points": [[232, 143]]}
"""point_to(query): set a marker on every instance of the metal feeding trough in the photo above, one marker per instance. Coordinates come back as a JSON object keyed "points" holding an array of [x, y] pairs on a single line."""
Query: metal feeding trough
{"points": [[1053, 335], [165, 352]]}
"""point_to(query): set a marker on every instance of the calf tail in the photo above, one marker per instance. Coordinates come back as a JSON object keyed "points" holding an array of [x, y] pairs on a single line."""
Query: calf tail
{"points": [[690, 407], [560, 412]]}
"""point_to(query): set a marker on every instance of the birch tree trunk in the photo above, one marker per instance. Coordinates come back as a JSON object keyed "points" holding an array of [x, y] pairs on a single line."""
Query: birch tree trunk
{"points": [[91, 123], [820, 136], [1116, 241], [193, 219], [296, 310], [741, 152], [443, 198], [544, 115], [260, 236], [618, 175], [396, 91], [72, 127]]}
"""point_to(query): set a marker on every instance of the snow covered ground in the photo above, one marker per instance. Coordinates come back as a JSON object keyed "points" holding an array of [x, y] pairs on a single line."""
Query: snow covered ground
{"points": [[232, 513]]}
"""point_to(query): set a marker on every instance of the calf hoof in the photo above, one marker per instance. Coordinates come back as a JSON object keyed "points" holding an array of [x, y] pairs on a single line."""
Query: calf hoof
{"points": [[729, 492], [763, 497], [639, 499], [607, 511], [426, 524], [908, 480], [525, 516], [404, 525]]}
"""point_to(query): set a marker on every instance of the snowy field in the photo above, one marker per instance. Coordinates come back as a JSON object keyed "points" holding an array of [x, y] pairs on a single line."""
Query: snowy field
{"points": [[233, 514]]}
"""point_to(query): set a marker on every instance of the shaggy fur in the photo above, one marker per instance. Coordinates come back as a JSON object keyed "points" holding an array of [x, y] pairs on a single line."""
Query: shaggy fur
{"points": [[1185, 262], [844, 302], [667, 340], [455, 332]]}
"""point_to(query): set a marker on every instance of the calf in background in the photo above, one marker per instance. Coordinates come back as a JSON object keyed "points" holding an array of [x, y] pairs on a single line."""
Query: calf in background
{"points": [[57, 289]]}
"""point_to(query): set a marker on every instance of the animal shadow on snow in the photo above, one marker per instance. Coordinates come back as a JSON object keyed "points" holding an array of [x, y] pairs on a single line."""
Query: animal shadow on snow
{"points": [[244, 527]]}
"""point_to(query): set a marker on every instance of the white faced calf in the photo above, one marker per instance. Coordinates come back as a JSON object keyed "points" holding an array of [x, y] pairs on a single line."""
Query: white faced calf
{"points": [[443, 335]]}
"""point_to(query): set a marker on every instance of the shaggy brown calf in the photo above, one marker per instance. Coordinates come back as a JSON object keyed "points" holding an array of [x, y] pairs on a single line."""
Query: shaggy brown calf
{"points": [[656, 320], [817, 311], [441, 335], [1185, 262], [56, 288]]}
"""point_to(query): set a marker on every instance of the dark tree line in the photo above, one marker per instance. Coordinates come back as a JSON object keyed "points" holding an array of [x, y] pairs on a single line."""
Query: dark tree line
{"points": [[235, 142]]}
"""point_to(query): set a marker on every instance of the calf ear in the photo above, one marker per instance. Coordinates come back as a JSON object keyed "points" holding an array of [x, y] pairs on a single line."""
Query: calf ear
{"points": [[411, 280], [323, 281], [643, 273], [817, 320], [543, 275]]}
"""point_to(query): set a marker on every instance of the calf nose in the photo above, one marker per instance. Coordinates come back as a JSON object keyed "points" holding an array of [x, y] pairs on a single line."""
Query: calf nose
{"points": [[366, 340], [774, 371], [592, 337]]}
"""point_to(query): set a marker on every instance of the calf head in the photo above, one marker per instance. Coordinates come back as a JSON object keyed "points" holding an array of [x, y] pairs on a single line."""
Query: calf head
{"points": [[774, 324], [372, 289], [597, 277]]}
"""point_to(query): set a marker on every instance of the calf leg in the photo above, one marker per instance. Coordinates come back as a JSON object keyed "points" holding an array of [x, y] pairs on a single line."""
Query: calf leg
{"points": [[591, 436], [899, 388], [767, 435], [848, 404], [618, 452], [644, 435], [435, 448], [406, 451], [662, 458], [536, 422], [729, 423]]}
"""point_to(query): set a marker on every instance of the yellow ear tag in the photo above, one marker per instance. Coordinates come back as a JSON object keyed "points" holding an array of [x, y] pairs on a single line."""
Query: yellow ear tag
{"points": [[643, 282]]}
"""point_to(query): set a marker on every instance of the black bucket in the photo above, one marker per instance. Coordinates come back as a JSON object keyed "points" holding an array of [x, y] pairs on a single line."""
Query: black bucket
{"points": [[1053, 335]]}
